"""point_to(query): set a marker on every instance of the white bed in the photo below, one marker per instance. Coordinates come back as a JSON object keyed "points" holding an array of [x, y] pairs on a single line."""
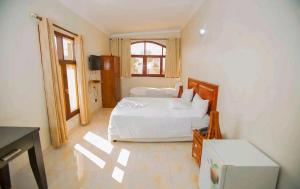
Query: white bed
{"points": [[153, 92], [154, 119], [156, 92], [146, 119]]}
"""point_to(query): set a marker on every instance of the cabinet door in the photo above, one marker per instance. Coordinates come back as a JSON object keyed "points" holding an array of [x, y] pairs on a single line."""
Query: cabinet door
{"points": [[107, 89], [106, 61], [110, 81]]}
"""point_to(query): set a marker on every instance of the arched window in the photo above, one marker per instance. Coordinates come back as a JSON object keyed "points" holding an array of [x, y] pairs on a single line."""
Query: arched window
{"points": [[148, 59]]}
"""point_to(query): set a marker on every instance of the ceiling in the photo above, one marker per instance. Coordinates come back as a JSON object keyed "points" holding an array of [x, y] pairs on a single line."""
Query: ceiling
{"points": [[124, 16]]}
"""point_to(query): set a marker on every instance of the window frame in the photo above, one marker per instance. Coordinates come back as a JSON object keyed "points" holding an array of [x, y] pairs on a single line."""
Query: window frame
{"points": [[145, 56], [63, 64]]}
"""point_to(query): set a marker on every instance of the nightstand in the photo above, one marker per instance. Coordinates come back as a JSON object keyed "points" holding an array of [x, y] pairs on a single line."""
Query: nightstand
{"points": [[213, 132], [197, 146]]}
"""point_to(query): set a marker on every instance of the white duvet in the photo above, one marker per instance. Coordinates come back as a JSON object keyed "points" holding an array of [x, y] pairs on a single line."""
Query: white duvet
{"points": [[153, 92], [140, 117]]}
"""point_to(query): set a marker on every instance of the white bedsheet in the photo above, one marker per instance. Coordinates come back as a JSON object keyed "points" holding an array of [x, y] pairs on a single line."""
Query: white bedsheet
{"points": [[140, 117], [153, 92]]}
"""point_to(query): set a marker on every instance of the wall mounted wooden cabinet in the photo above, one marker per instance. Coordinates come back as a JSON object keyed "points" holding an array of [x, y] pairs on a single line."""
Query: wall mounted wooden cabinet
{"points": [[110, 81]]}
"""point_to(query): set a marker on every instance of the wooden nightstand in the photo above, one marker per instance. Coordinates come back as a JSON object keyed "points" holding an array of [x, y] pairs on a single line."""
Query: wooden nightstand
{"points": [[197, 146], [213, 132]]}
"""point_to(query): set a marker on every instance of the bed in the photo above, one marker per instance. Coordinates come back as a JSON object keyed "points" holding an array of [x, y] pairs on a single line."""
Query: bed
{"points": [[156, 92], [146, 119], [153, 92]]}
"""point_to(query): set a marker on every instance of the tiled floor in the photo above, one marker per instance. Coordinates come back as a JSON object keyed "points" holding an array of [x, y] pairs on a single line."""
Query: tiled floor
{"points": [[90, 161]]}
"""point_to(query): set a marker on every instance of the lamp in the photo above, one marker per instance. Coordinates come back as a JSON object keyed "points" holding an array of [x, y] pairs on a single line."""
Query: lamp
{"points": [[202, 31]]}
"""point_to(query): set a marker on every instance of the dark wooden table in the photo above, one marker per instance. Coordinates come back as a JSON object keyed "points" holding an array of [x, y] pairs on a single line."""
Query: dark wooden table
{"points": [[13, 142]]}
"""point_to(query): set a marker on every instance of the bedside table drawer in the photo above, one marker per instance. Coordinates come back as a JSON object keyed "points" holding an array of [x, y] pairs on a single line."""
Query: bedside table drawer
{"points": [[198, 137], [197, 146], [196, 149]]}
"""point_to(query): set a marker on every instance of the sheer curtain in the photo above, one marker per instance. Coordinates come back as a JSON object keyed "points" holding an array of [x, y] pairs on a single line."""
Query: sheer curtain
{"points": [[81, 66], [115, 46], [121, 48], [173, 65], [52, 84]]}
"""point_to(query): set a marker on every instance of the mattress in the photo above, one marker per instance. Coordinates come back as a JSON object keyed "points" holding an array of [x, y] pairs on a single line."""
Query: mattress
{"points": [[153, 92], [154, 118]]}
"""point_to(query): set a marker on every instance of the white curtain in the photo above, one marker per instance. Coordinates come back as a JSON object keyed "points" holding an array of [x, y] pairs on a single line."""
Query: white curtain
{"points": [[115, 47], [52, 84], [125, 58], [81, 66], [173, 65], [121, 48]]}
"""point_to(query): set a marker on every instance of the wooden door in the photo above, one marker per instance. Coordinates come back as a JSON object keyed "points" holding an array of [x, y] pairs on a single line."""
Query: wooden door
{"points": [[108, 82], [106, 89]]}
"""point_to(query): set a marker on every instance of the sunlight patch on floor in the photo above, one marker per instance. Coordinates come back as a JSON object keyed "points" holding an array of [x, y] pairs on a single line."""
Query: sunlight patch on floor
{"points": [[98, 142], [118, 174], [95, 159], [123, 157]]}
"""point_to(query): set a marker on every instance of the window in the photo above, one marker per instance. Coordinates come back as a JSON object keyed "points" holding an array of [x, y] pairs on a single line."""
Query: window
{"points": [[148, 59], [65, 51]]}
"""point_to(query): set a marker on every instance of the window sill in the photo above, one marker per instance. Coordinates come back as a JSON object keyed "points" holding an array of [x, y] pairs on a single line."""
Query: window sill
{"points": [[72, 114]]}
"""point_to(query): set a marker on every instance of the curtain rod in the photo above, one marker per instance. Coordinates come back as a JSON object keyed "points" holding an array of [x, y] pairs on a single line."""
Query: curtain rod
{"points": [[36, 16], [150, 39], [164, 39]]}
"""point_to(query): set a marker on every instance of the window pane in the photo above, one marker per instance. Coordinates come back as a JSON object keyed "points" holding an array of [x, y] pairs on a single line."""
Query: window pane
{"points": [[68, 49], [164, 51], [163, 65], [136, 65], [137, 48], [153, 65], [72, 86], [153, 49]]}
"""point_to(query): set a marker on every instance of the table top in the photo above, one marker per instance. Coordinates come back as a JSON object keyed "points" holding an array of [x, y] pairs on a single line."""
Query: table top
{"points": [[9, 135]]}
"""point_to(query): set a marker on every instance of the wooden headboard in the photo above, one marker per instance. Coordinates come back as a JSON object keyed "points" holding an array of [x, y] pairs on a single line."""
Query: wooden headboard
{"points": [[206, 91]]}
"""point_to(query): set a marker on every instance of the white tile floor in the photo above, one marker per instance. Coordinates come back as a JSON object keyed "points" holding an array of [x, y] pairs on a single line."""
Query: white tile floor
{"points": [[89, 161]]}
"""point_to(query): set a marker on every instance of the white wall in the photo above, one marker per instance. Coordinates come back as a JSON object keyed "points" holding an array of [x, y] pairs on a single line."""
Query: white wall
{"points": [[22, 98], [251, 50]]}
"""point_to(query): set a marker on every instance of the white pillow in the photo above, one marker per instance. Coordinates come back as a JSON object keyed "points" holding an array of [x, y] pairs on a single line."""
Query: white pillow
{"points": [[187, 95], [180, 104], [200, 105]]}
